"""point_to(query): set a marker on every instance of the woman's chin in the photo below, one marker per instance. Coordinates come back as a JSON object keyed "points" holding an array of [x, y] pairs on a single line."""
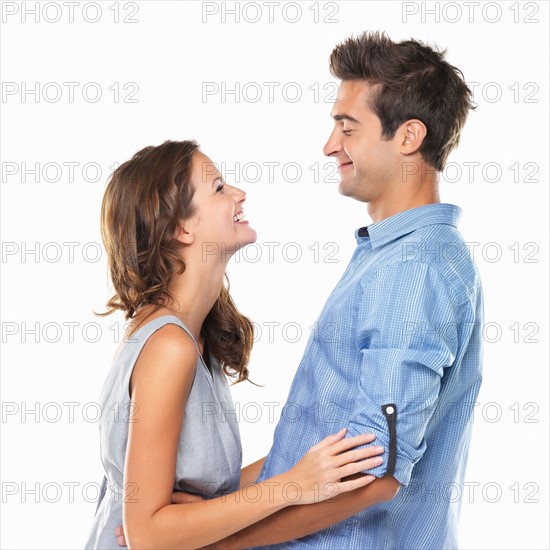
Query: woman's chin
{"points": [[250, 237]]}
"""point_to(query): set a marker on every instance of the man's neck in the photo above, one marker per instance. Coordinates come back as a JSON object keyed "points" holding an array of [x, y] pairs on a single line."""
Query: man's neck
{"points": [[426, 192]]}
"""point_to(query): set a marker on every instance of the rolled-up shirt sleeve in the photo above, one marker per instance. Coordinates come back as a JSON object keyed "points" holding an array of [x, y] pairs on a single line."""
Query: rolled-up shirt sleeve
{"points": [[406, 333]]}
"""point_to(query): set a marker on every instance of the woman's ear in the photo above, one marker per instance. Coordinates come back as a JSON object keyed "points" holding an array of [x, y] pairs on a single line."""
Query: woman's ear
{"points": [[413, 133], [184, 233]]}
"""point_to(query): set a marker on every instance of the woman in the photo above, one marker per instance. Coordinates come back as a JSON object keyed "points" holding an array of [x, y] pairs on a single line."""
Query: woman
{"points": [[169, 224]]}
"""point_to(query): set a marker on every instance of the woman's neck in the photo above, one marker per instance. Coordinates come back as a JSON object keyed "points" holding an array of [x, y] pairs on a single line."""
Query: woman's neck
{"points": [[194, 293]]}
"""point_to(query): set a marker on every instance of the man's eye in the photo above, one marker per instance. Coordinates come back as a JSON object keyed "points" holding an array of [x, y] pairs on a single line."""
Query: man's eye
{"points": [[347, 132]]}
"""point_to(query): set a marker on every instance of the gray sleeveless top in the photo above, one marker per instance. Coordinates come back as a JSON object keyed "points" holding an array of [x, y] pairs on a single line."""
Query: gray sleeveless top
{"points": [[209, 451]]}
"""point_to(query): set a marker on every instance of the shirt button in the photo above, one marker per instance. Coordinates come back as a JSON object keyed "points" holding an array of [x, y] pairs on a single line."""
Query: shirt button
{"points": [[389, 410]]}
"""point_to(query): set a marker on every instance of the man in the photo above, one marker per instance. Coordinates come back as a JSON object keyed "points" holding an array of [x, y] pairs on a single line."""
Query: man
{"points": [[404, 361]]}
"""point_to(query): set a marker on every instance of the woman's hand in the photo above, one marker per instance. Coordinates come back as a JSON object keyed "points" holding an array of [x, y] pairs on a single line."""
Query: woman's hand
{"points": [[318, 475]]}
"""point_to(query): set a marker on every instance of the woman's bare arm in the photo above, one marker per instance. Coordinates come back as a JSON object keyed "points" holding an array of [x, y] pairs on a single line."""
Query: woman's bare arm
{"points": [[298, 521], [250, 473], [160, 386]]}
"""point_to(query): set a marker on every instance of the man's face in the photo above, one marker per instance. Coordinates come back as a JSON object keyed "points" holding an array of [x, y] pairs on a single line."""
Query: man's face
{"points": [[368, 164]]}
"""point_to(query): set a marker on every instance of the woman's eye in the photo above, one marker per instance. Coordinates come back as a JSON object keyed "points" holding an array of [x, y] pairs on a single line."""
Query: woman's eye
{"points": [[220, 187]]}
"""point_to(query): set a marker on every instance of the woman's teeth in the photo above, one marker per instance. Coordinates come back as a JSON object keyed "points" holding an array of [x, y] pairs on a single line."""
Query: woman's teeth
{"points": [[238, 217]]}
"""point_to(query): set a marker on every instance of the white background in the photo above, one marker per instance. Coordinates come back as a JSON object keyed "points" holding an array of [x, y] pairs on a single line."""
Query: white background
{"points": [[169, 53]]}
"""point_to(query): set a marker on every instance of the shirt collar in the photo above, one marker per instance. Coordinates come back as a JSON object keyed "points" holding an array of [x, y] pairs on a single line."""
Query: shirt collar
{"points": [[401, 224]]}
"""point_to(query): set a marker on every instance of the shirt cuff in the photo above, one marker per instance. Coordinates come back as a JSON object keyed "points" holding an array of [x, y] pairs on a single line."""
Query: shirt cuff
{"points": [[403, 465]]}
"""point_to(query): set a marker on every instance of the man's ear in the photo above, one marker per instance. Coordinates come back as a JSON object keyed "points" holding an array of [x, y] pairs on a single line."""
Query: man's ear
{"points": [[412, 134], [184, 233]]}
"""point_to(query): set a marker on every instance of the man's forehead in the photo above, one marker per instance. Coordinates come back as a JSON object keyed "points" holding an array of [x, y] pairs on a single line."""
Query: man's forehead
{"points": [[350, 100]]}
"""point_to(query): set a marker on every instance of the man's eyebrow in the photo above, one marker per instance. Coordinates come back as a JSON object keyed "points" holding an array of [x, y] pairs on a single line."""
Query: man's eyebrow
{"points": [[345, 117]]}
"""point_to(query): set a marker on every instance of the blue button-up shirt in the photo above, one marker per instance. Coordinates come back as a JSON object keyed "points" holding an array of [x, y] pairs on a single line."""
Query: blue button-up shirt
{"points": [[396, 352]]}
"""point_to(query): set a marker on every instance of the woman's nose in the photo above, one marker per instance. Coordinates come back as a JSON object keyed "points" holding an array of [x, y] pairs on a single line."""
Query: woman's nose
{"points": [[239, 194]]}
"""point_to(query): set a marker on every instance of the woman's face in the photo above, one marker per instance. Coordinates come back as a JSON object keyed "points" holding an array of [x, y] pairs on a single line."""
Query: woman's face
{"points": [[218, 223]]}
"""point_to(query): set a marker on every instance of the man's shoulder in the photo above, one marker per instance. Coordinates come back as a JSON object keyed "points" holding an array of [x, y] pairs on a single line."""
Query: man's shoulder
{"points": [[440, 252]]}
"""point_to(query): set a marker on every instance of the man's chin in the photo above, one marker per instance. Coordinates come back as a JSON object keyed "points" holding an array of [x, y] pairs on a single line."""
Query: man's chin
{"points": [[351, 191], [346, 188], [343, 188]]}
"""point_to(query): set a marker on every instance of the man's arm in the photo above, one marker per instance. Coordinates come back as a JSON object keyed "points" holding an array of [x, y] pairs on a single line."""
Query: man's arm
{"points": [[298, 521], [407, 330]]}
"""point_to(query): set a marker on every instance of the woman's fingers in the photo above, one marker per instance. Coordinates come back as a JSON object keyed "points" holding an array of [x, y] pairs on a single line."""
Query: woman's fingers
{"points": [[329, 440], [358, 454], [331, 490], [350, 442], [119, 534], [357, 467], [352, 484], [338, 444], [321, 469]]}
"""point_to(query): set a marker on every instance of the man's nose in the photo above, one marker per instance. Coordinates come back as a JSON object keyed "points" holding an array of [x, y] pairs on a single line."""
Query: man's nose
{"points": [[333, 145]]}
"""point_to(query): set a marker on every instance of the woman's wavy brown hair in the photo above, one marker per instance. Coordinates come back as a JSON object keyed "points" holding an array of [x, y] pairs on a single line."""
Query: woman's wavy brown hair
{"points": [[145, 199]]}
